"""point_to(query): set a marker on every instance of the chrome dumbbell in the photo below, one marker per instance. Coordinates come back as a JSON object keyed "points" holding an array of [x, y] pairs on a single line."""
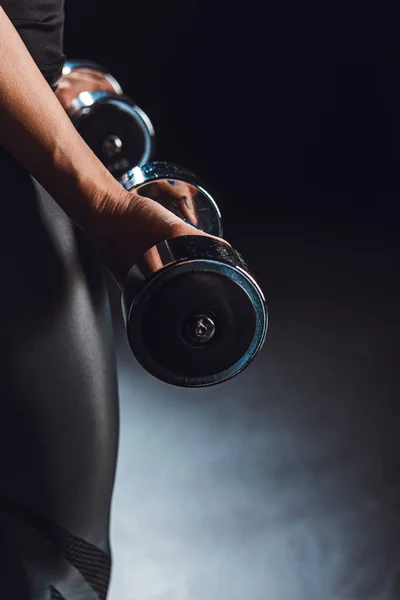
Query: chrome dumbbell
{"points": [[116, 129], [194, 315]]}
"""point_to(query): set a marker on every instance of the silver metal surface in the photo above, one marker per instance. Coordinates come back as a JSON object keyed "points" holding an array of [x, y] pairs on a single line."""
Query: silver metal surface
{"points": [[81, 104], [119, 144], [173, 252], [73, 65], [81, 107], [198, 329], [179, 190]]}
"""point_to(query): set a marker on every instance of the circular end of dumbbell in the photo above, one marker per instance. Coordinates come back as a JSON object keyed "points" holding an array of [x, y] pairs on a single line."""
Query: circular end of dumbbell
{"points": [[197, 322], [119, 132]]}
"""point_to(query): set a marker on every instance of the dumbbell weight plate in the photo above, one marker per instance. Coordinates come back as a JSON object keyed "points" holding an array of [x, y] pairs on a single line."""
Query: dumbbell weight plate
{"points": [[179, 190], [117, 130], [195, 317]]}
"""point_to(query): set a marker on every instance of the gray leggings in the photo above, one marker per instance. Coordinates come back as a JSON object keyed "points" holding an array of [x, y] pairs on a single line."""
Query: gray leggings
{"points": [[59, 402]]}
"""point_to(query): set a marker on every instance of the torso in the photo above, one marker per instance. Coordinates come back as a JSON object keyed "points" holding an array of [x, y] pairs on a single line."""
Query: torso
{"points": [[41, 26]]}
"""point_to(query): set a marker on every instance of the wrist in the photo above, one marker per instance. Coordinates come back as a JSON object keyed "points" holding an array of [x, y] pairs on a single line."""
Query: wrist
{"points": [[99, 208]]}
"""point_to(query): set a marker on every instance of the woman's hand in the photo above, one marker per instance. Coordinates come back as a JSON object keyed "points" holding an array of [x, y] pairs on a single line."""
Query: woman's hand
{"points": [[177, 196], [78, 81], [129, 226]]}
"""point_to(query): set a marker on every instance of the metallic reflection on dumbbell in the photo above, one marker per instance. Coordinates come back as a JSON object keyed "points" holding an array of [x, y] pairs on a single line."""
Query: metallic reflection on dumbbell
{"points": [[112, 145], [179, 190], [117, 130], [194, 315]]}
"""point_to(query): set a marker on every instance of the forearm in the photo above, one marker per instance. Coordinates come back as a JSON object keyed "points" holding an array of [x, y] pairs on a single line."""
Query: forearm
{"points": [[36, 131]]}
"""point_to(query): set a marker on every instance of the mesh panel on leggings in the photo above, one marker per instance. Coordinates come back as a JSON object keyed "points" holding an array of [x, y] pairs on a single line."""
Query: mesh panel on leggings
{"points": [[90, 561], [55, 595]]}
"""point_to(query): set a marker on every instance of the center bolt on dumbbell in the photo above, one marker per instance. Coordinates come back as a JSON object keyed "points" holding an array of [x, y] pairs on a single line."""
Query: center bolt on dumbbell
{"points": [[194, 315], [198, 329]]}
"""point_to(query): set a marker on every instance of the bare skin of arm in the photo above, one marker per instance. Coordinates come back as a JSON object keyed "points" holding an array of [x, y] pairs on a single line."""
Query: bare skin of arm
{"points": [[35, 129]]}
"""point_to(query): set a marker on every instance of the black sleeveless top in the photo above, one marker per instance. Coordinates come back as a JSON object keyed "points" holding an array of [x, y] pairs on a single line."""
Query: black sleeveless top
{"points": [[40, 23]]}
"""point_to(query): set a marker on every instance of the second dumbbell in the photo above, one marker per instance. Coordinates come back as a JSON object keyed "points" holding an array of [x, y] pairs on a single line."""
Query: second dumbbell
{"points": [[118, 131]]}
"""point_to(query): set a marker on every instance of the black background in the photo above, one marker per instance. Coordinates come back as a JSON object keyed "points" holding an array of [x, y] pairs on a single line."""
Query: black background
{"points": [[285, 109]]}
